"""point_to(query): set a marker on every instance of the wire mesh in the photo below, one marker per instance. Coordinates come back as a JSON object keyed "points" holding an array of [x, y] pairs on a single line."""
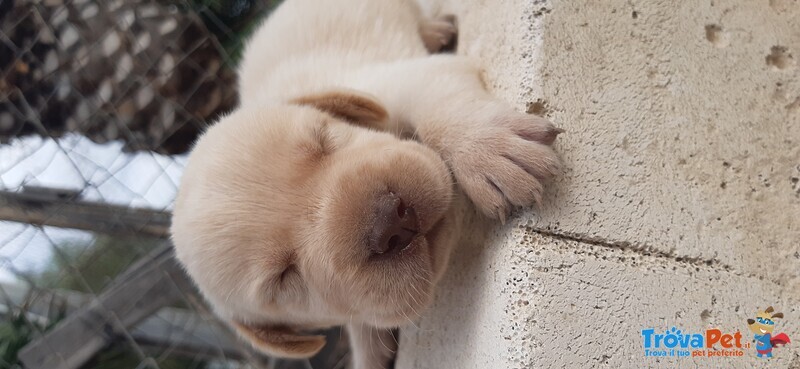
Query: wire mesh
{"points": [[99, 102]]}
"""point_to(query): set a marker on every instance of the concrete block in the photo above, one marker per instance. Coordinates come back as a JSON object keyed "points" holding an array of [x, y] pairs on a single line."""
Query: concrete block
{"points": [[680, 200], [535, 301]]}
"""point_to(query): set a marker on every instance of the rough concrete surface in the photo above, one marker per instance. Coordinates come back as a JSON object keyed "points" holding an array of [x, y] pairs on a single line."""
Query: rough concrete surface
{"points": [[680, 201]]}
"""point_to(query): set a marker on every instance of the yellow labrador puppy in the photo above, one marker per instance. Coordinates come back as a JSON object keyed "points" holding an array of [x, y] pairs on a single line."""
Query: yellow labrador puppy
{"points": [[326, 198]]}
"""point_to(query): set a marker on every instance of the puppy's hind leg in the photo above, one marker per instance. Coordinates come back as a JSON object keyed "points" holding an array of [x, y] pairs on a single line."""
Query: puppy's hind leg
{"points": [[439, 34]]}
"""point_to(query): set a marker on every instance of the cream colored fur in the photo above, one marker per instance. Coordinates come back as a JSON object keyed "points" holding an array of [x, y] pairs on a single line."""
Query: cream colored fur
{"points": [[341, 103]]}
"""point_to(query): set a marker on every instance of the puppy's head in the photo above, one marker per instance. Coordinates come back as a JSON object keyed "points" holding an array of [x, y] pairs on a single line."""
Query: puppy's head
{"points": [[298, 216]]}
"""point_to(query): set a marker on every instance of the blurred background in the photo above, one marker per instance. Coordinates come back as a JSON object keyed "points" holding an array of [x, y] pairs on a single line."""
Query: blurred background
{"points": [[99, 103]]}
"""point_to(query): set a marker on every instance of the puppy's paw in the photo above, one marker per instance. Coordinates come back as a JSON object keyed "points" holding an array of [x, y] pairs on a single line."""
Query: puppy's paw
{"points": [[438, 34], [503, 166]]}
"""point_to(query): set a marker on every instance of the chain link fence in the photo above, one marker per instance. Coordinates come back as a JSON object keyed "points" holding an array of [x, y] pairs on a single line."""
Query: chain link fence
{"points": [[99, 102]]}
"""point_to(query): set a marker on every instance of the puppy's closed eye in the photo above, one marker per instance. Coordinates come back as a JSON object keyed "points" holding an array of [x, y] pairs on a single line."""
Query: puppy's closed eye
{"points": [[290, 282], [288, 273], [322, 136], [286, 282], [318, 144]]}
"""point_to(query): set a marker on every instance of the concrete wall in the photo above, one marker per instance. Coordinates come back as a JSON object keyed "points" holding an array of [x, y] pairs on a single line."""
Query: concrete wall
{"points": [[680, 202]]}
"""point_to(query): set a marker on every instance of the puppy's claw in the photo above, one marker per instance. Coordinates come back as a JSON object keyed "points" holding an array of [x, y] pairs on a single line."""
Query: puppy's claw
{"points": [[551, 135], [501, 215], [531, 127]]}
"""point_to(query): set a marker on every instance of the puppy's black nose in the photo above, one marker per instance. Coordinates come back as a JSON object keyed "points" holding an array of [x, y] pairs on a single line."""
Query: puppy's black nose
{"points": [[395, 225]]}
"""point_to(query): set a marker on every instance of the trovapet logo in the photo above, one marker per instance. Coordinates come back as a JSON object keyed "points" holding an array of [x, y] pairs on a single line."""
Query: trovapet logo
{"points": [[675, 342], [762, 327], [715, 342]]}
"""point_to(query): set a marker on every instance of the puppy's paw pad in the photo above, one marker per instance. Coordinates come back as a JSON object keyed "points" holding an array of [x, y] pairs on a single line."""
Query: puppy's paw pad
{"points": [[439, 33]]}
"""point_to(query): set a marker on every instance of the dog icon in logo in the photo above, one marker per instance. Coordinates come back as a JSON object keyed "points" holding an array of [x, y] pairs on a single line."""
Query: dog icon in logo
{"points": [[762, 326]]}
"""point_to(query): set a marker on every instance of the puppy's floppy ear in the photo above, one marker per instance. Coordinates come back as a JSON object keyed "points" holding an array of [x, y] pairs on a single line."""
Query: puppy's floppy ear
{"points": [[353, 106], [280, 341]]}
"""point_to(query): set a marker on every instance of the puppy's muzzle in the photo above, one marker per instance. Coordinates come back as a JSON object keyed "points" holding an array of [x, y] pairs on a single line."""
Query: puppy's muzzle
{"points": [[395, 225]]}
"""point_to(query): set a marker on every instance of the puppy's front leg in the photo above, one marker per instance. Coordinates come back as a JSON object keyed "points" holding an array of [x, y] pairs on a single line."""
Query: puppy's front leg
{"points": [[370, 347], [499, 156]]}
